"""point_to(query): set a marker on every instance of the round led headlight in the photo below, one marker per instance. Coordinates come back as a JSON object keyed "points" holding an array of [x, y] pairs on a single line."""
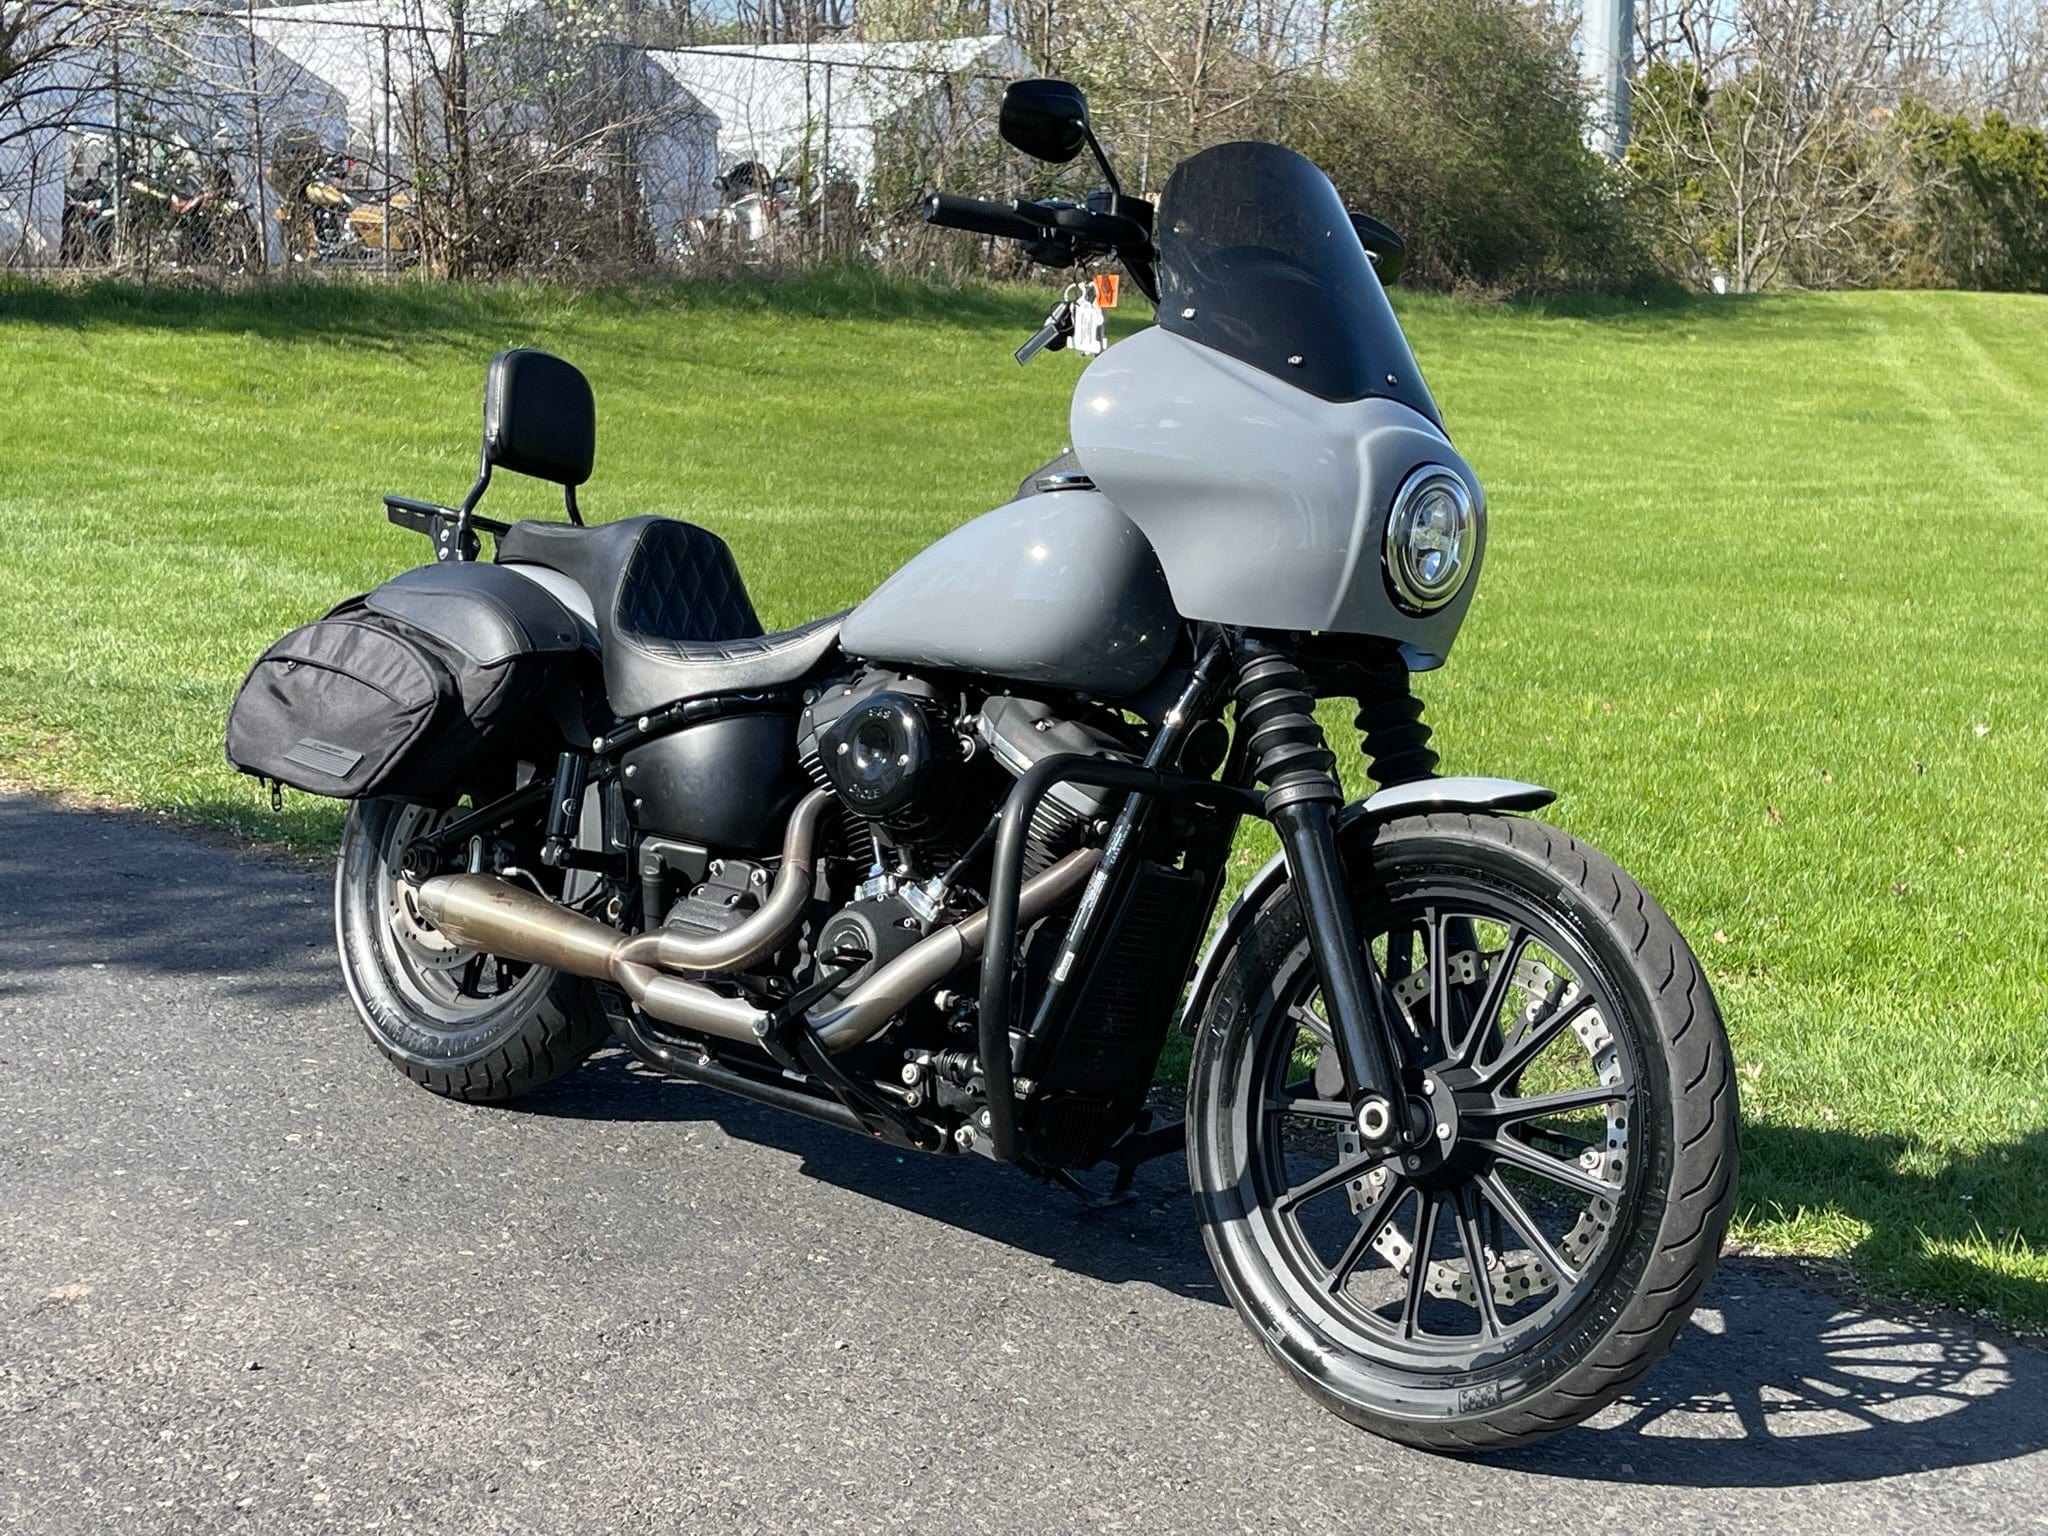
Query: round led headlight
{"points": [[1432, 535]]}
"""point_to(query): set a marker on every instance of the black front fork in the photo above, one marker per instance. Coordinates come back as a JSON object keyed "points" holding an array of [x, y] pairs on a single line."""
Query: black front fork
{"points": [[1289, 756]]}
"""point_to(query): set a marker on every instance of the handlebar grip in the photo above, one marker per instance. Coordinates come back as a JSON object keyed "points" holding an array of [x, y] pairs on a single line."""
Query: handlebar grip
{"points": [[980, 217]]}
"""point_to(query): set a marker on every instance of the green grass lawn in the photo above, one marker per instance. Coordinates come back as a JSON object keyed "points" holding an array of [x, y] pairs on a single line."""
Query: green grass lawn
{"points": [[1764, 600]]}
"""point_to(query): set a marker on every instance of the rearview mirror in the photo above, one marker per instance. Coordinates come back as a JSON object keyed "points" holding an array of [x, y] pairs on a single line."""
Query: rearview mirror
{"points": [[1046, 119], [1387, 250]]}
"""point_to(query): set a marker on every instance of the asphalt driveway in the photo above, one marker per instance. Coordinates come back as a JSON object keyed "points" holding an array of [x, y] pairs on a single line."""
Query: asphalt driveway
{"points": [[250, 1278]]}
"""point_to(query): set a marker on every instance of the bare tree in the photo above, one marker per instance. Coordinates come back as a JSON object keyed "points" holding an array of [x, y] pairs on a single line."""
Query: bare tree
{"points": [[1168, 76], [528, 142], [49, 53], [2005, 60], [1764, 152]]}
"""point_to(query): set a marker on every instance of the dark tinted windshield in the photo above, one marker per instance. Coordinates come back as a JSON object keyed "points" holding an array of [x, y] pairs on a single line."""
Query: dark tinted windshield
{"points": [[1258, 259]]}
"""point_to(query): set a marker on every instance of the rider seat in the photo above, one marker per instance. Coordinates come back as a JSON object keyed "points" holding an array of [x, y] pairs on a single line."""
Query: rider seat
{"points": [[672, 613]]}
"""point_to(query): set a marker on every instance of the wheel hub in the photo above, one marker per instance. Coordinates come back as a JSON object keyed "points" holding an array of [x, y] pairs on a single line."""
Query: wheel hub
{"points": [[1459, 1115], [1439, 1155], [1429, 1154]]}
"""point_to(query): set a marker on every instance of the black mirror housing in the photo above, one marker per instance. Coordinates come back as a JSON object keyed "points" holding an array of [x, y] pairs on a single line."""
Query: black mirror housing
{"points": [[539, 417], [1387, 250], [1046, 119]]}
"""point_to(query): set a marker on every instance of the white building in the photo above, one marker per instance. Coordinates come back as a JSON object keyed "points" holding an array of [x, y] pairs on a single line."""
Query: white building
{"points": [[384, 57], [831, 104]]}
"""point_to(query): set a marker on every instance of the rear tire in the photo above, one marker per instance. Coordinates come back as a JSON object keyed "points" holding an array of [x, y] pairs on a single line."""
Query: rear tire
{"points": [[462, 1025], [1531, 1309]]}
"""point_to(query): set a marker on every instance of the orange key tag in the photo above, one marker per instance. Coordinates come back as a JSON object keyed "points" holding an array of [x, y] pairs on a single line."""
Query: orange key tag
{"points": [[1105, 289]]}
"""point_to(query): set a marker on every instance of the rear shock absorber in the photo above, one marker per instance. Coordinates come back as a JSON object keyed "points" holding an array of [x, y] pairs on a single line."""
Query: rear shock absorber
{"points": [[1389, 721]]}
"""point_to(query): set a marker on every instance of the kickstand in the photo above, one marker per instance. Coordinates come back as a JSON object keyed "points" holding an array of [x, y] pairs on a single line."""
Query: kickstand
{"points": [[1141, 1145], [1120, 1193]]}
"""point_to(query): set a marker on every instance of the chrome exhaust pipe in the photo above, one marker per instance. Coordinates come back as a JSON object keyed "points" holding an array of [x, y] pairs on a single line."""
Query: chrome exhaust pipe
{"points": [[500, 918], [765, 928], [515, 923], [938, 954]]}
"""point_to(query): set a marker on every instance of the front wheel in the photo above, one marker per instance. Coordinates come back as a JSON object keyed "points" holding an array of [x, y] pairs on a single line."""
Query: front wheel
{"points": [[1543, 1242], [456, 1021]]}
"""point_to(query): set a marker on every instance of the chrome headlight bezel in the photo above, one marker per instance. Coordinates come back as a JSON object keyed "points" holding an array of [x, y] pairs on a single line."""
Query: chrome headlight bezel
{"points": [[1432, 539]]}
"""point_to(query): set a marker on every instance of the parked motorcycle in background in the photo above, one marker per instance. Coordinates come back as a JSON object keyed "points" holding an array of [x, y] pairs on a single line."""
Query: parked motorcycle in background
{"points": [[1460, 1121], [327, 214], [757, 212], [186, 209], [86, 231]]}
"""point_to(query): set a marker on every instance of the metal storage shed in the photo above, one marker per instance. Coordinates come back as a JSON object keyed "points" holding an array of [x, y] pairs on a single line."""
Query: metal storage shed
{"points": [[834, 103]]}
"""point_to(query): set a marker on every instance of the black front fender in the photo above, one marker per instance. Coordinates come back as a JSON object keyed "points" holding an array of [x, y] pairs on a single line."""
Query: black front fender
{"points": [[1357, 820]]}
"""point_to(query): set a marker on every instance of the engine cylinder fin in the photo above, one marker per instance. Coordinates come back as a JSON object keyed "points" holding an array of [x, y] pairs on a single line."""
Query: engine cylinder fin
{"points": [[846, 835], [1055, 831]]}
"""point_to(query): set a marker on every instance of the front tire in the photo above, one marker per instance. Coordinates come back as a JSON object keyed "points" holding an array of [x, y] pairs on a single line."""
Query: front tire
{"points": [[459, 1023], [1518, 1271]]}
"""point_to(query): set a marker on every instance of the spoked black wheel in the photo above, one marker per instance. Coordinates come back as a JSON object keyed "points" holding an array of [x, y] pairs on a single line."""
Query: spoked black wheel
{"points": [[1541, 1243], [457, 1021]]}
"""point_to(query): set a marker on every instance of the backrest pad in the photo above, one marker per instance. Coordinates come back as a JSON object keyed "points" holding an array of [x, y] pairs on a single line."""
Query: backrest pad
{"points": [[540, 418]]}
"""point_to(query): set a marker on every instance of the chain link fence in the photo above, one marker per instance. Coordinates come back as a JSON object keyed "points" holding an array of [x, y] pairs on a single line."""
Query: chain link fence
{"points": [[467, 140]]}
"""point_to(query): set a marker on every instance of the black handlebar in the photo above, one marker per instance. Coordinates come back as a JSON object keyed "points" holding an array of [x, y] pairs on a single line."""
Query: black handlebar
{"points": [[980, 217], [1060, 233], [1112, 231]]}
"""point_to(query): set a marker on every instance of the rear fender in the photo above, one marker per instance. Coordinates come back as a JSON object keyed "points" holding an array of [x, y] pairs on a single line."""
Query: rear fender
{"points": [[1356, 824]]}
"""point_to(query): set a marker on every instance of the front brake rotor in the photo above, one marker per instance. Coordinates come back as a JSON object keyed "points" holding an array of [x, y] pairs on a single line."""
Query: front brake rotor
{"points": [[1514, 1277]]}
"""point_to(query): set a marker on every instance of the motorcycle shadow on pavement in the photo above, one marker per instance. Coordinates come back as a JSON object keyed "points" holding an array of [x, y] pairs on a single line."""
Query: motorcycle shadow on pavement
{"points": [[1772, 1384], [1775, 1384], [85, 888]]}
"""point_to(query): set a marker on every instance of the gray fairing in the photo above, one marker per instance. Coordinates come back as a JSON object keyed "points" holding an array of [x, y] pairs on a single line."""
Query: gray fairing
{"points": [[1267, 505], [1058, 589]]}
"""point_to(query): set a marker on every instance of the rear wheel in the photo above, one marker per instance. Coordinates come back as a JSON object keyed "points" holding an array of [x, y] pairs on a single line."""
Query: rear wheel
{"points": [[1540, 1251], [456, 1021]]}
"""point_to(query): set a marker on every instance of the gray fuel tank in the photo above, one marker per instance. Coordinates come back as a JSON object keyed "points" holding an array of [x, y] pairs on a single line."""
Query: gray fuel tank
{"points": [[1058, 589]]}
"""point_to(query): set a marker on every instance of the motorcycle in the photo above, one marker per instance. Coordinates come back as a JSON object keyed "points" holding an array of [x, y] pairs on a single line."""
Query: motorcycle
{"points": [[86, 227], [757, 213], [1460, 1124], [321, 218], [188, 210]]}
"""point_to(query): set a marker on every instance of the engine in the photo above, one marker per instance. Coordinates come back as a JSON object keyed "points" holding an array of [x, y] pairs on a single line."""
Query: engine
{"points": [[889, 747], [919, 774], [917, 769]]}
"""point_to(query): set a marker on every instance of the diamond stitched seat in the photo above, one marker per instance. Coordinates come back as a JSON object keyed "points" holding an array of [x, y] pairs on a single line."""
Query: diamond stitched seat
{"points": [[672, 610]]}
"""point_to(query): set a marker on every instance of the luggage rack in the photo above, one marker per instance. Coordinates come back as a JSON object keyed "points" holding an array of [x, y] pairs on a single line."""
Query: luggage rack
{"points": [[453, 531]]}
